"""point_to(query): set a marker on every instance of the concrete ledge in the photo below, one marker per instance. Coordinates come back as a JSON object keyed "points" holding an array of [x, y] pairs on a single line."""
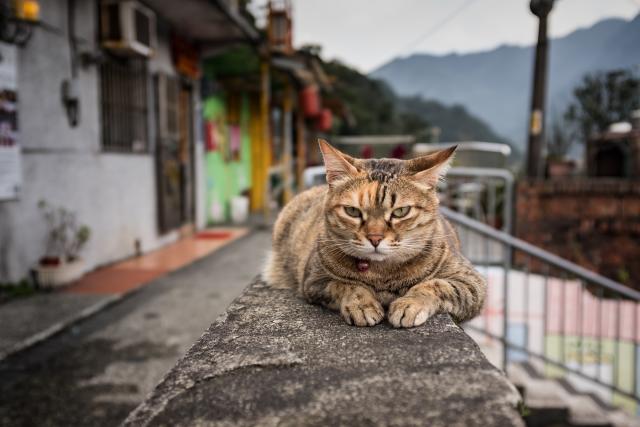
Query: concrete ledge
{"points": [[272, 359]]}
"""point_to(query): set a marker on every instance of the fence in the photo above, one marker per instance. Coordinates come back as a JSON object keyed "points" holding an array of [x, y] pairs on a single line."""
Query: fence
{"points": [[485, 194], [565, 320]]}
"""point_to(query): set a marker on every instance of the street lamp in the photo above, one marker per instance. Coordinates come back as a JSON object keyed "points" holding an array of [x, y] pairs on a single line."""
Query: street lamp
{"points": [[540, 8]]}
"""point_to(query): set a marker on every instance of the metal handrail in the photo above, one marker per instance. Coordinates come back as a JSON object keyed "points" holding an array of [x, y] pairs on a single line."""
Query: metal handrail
{"points": [[480, 173], [541, 254], [556, 355]]}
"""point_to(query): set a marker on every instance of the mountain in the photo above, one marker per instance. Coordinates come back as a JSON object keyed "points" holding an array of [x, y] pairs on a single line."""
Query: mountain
{"points": [[495, 85], [375, 109], [370, 102], [455, 122]]}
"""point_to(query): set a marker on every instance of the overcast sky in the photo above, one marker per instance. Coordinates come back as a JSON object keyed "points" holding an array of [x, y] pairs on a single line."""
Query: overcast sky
{"points": [[368, 33]]}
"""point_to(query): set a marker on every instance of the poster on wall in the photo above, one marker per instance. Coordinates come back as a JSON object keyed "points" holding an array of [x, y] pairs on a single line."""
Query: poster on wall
{"points": [[10, 167]]}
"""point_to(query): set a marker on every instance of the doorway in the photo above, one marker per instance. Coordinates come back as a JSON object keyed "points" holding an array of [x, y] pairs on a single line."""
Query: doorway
{"points": [[174, 153]]}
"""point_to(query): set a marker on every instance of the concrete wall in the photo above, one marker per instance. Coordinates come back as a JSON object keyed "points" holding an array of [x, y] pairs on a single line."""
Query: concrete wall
{"points": [[310, 369], [115, 194]]}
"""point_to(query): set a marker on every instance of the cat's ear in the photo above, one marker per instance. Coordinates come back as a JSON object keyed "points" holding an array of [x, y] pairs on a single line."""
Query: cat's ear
{"points": [[338, 165], [429, 169]]}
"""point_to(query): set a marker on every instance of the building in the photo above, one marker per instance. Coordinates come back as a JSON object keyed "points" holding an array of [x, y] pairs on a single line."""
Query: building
{"points": [[108, 123], [263, 110], [593, 220], [615, 153], [150, 122]]}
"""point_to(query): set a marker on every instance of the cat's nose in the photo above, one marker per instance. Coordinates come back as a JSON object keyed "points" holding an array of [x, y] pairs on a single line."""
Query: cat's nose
{"points": [[375, 239]]}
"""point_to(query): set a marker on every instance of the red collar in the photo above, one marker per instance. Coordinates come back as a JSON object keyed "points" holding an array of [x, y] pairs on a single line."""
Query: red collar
{"points": [[362, 265]]}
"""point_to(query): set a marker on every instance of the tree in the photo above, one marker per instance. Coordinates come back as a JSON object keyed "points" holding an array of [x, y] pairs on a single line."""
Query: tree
{"points": [[600, 100], [560, 140]]}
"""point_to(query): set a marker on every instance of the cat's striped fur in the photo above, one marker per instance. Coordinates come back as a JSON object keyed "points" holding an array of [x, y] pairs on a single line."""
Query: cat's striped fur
{"points": [[361, 265]]}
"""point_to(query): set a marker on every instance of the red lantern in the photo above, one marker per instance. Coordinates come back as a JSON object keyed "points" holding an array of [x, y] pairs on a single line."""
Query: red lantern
{"points": [[324, 120], [310, 101]]}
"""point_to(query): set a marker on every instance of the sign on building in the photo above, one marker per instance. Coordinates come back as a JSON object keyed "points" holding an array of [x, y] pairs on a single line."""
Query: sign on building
{"points": [[10, 168]]}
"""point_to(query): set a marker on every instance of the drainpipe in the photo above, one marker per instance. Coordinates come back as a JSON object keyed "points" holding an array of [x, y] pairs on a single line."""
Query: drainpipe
{"points": [[265, 119], [301, 149], [69, 89], [287, 134]]}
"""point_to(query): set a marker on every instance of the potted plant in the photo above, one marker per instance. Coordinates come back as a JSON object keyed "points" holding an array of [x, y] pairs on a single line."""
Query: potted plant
{"points": [[61, 263]]}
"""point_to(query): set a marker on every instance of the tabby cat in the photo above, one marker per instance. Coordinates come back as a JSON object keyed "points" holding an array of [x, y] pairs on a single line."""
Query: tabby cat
{"points": [[374, 239]]}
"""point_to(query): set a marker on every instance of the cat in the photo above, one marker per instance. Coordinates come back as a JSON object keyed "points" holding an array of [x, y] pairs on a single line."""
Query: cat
{"points": [[373, 238]]}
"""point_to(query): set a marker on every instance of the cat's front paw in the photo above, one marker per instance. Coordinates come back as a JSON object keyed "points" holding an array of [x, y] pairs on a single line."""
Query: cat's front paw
{"points": [[410, 311], [360, 308]]}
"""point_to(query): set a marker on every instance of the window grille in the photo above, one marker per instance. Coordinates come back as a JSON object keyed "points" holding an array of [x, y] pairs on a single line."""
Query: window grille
{"points": [[124, 98]]}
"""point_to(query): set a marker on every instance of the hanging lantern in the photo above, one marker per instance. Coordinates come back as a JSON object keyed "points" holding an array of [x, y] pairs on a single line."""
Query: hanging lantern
{"points": [[324, 121], [310, 101]]}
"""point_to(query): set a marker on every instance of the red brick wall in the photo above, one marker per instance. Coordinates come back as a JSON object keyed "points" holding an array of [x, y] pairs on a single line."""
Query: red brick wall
{"points": [[594, 222]]}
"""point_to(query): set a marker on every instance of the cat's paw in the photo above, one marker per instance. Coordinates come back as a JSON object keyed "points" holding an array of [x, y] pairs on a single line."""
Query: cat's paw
{"points": [[410, 311], [360, 308]]}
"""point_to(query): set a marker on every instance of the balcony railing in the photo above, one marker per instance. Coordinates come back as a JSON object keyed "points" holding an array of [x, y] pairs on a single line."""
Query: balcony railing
{"points": [[565, 320]]}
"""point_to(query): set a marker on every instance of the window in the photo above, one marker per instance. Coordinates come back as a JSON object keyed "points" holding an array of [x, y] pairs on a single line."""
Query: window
{"points": [[124, 97]]}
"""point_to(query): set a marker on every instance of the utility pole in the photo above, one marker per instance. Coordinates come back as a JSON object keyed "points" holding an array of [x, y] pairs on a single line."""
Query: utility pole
{"points": [[540, 8]]}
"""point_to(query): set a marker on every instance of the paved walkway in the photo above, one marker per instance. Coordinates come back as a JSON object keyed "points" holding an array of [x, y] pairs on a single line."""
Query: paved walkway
{"points": [[26, 321], [96, 372]]}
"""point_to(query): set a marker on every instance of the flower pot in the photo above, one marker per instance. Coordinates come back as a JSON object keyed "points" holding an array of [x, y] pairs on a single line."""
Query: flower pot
{"points": [[239, 209], [62, 274]]}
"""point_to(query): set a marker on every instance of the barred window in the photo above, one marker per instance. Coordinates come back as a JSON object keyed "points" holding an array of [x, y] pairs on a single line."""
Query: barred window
{"points": [[124, 98]]}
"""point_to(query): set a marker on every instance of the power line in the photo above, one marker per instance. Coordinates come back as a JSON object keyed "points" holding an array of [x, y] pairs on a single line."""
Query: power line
{"points": [[434, 29]]}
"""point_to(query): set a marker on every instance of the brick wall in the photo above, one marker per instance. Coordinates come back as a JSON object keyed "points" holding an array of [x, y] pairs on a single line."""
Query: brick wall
{"points": [[594, 222]]}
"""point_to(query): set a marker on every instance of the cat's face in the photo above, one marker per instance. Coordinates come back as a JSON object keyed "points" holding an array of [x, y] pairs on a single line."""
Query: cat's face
{"points": [[382, 209]]}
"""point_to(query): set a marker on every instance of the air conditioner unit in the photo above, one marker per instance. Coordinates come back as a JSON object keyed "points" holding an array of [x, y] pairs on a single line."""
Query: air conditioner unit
{"points": [[128, 28], [168, 91]]}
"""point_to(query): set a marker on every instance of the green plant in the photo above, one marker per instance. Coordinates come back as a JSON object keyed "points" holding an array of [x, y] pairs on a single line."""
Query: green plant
{"points": [[523, 409], [65, 237], [623, 275], [602, 99], [10, 291]]}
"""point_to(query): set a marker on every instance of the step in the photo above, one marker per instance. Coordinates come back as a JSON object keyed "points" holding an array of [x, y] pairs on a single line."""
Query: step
{"points": [[548, 399]]}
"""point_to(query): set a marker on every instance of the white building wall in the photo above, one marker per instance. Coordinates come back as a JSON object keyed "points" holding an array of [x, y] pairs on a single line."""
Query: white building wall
{"points": [[115, 194]]}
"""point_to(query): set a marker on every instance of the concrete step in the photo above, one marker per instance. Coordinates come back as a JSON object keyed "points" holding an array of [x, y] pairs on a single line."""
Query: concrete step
{"points": [[554, 402]]}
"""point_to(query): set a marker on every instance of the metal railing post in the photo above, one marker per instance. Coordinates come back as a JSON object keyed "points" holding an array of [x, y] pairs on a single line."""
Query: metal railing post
{"points": [[602, 288], [506, 265]]}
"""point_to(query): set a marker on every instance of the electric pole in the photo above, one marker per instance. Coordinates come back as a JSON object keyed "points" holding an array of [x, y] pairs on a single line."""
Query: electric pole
{"points": [[540, 8]]}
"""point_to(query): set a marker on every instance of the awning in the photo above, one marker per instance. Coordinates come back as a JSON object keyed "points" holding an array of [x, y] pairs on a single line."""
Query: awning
{"points": [[306, 70], [295, 67], [208, 23]]}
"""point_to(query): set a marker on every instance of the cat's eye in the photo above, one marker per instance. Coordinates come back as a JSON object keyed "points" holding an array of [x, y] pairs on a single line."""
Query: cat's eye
{"points": [[354, 212], [401, 212]]}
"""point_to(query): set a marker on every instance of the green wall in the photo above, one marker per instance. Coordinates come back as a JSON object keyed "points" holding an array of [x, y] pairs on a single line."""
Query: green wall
{"points": [[228, 156]]}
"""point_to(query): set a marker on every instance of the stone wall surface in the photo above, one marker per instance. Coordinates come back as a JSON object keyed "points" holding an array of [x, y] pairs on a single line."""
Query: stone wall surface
{"points": [[272, 359]]}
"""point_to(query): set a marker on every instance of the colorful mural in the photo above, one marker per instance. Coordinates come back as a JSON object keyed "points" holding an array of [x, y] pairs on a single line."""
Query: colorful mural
{"points": [[597, 337], [228, 153]]}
